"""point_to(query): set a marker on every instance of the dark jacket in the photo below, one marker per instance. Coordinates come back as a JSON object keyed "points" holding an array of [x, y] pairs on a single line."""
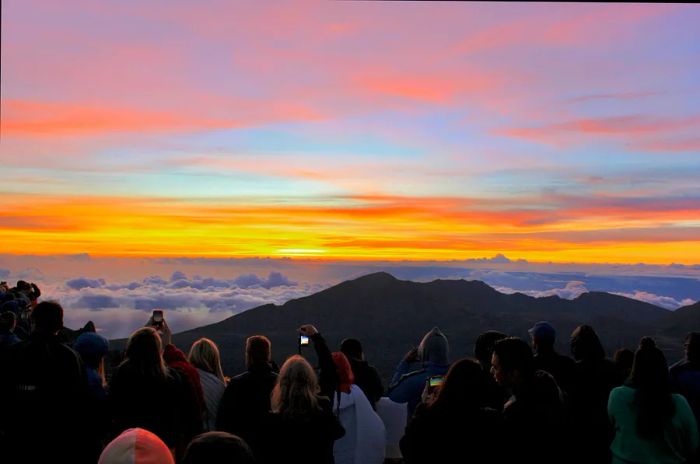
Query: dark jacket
{"points": [[442, 435], [43, 385], [327, 375], [246, 401], [159, 405], [685, 379], [367, 378], [535, 422], [559, 366], [588, 409], [304, 440]]}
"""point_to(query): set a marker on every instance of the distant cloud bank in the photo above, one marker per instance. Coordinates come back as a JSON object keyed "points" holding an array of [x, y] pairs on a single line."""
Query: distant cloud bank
{"points": [[118, 294]]}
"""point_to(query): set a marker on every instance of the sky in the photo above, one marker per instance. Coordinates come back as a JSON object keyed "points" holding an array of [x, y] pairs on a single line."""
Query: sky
{"points": [[349, 132]]}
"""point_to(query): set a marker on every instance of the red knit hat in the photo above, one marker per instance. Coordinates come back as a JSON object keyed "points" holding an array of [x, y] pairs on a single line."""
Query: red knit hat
{"points": [[344, 370], [136, 446]]}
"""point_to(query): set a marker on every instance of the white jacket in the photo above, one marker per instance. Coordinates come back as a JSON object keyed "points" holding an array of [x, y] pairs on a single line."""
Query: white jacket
{"points": [[365, 436]]}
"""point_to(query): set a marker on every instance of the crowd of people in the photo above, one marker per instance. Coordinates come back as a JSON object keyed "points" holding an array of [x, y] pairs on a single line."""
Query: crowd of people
{"points": [[516, 400]]}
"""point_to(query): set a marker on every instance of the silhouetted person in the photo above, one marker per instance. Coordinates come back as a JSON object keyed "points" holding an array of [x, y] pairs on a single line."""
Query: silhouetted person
{"points": [[651, 424], [302, 427], [533, 415], [624, 357], [93, 348], [44, 389], [366, 376], [8, 322], [327, 375], [456, 427], [483, 350], [193, 407], [218, 448], [409, 379], [547, 359], [685, 374], [594, 377], [246, 400], [145, 393]]}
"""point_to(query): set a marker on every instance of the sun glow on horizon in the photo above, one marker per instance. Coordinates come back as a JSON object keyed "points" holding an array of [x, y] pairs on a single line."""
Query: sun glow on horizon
{"points": [[366, 131]]}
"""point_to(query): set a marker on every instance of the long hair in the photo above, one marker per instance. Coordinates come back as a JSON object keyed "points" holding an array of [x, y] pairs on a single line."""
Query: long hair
{"points": [[143, 353], [204, 355], [296, 390], [466, 387], [652, 398], [585, 344]]}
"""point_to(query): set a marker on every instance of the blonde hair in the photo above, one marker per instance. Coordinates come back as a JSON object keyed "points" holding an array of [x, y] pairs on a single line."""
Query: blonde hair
{"points": [[204, 355], [296, 390], [144, 353]]}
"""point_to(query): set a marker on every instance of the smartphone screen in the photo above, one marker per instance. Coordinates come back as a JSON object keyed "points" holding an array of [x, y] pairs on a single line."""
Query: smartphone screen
{"points": [[157, 316], [303, 340], [436, 381]]}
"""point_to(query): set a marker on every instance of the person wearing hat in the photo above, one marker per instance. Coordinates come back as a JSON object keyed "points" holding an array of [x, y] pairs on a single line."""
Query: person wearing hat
{"points": [[136, 446], [92, 348], [408, 383], [547, 359]]}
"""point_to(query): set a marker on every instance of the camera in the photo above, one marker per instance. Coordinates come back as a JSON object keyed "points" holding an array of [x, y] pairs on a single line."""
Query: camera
{"points": [[157, 317], [435, 381]]}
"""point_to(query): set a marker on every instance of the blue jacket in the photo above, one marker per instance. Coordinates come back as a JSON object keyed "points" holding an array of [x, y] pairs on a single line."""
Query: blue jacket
{"points": [[407, 386]]}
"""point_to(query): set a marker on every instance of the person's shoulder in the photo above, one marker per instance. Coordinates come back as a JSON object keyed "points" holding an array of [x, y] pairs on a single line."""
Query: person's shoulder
{"points": [[413, 375], [681, 402], [680, 367], [621, 392]]}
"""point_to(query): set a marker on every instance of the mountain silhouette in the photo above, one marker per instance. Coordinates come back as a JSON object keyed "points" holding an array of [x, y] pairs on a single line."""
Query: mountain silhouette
{"points": [[390, 316]]}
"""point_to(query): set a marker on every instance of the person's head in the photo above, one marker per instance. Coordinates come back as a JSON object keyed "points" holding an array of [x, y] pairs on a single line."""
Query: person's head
{"points": [[649, 368], [342, 367], [218, 448], [47, 317], [136, 446], [144, 352], [653, 399], [352, 348], [204, 355], [624, 357], [692, 347], [434, 348], [258, 350], [483, 348], [466, 386], [8, 321], [296, 390], [543, 336], [92, 348], [585, 344], [512, 362]]}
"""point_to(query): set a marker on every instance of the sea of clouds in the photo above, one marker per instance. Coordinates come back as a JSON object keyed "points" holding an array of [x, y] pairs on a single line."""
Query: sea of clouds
{"points": [[119, 295]]}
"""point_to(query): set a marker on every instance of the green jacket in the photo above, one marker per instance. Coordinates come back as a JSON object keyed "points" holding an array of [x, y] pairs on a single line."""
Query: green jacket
{"points": [[679, 442]]}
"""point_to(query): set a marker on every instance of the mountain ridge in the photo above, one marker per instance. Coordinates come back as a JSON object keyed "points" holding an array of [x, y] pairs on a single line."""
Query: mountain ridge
{"points": [[390, 316]]}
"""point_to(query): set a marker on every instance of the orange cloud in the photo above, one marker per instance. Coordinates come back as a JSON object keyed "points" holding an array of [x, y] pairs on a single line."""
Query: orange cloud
{"points": [[36, 118], [371, 227], [634, 125]]}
